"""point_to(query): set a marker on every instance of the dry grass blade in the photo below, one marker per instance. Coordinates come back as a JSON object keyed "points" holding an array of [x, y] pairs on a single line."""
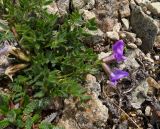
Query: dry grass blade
{"points": [[124, 113]]}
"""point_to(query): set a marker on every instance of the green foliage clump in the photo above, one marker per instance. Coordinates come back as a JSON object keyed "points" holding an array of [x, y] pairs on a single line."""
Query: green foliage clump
{"points": [[59, 59]]}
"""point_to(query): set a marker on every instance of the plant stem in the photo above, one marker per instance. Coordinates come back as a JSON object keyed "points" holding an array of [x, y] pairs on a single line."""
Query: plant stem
{"points": [[106, 68], [108, 58]]}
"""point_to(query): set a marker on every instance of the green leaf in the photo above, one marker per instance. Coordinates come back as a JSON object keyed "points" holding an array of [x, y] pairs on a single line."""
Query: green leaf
{"points": [[4, 124], [46, 125], [35, 118], [28, 123], [47, 2], [91, 24], [39, 94], [11, 116], [4, 103], [31, 107]]}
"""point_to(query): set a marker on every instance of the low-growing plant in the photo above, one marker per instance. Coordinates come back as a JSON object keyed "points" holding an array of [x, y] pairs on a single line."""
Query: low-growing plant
{"points": [[59, 60]]}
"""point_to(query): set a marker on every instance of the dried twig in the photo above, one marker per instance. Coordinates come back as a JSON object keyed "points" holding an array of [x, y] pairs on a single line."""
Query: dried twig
{"points": [[124, 113], [14, 32], [107, 97]]}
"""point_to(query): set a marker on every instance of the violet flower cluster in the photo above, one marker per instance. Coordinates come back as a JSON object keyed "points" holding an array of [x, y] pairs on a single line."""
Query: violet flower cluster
{"points": [[116, 74]]}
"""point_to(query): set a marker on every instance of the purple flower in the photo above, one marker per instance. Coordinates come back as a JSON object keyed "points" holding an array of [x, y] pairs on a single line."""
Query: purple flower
{"points": [[117, 55], [118, 48], [115, 75]]}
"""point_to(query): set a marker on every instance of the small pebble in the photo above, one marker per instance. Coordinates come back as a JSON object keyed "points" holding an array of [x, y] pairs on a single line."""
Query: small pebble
{"points": [[148, 12], [156, 57], [139, 112], [153, 83], [138, 42], [148, 55], [132, 45], [122, 35], [150, 126], [117, 27], [133, 114], [103, 55], [148, 111], [112, 35], [130, 36], [87, 15], [125, 23], [149, 59]]}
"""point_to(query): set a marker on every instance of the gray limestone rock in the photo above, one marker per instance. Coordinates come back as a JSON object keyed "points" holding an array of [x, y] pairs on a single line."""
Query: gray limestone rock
{"points": [[137, 98], [63, 6], [95, 37], [84, 4], [154, 8], [93, 116], [78, 4], [124, 9], [144, 26]]}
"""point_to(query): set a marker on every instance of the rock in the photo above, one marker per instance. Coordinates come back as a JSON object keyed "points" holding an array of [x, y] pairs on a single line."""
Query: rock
{"points": [[153, 83], [63, 6], [144, 26], [125, 23], [158, 23], [137, 97], [148, 111], [113, 35], [78, 4], [132, 45], [128, 36], [92, 85], [138, 42], [90, 4], [124, 9], [139, 112], [96, 112], [123, 125], [131, 62], [84, 4], [142, 2], [156, 57], [103, 55], [157, 41], [117, 27], [148, 12], [108, 24], [154, 8], [122, 35], [149, 59], [52, 8], [68, 123], [87, 15], [96, 37], [111, 7], [93, 116], [101, 13]]}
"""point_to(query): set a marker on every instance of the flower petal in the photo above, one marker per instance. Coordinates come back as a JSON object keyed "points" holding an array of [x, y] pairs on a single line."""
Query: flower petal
{"points": [[118, 74], [118, 48]]}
